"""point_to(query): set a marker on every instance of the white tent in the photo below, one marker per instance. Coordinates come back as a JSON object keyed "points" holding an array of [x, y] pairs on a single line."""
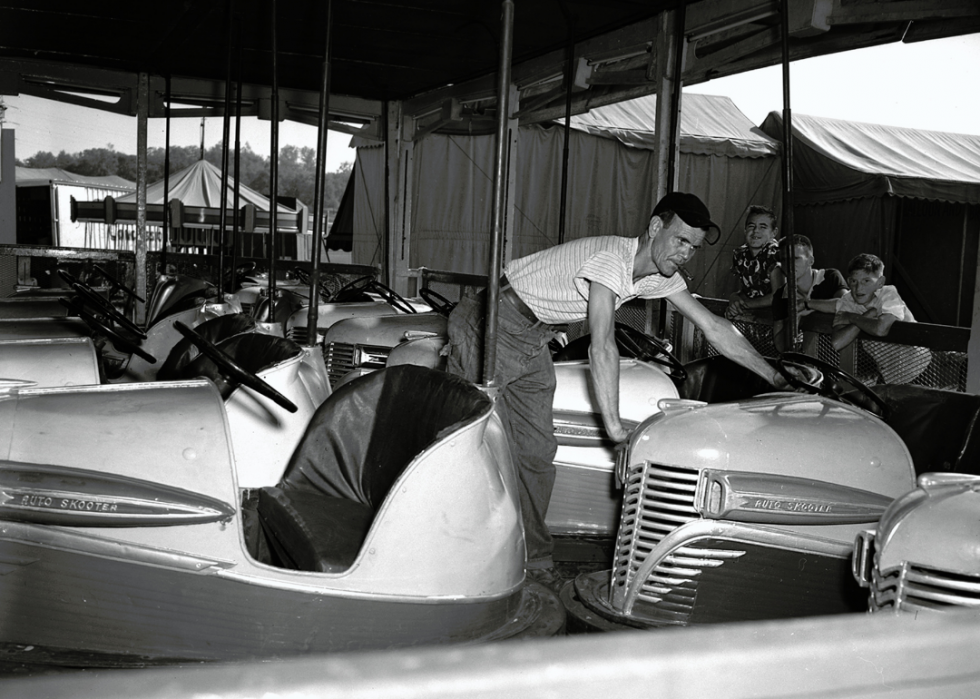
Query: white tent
{"points": [[724, 159]]}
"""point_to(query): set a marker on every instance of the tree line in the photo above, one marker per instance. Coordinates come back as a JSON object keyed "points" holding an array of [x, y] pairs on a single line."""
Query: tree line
{"points": [[297, 168]]}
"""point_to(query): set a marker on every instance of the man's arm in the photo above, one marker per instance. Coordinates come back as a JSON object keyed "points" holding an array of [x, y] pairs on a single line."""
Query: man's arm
{"points": [[604, 358], [722, 334]]}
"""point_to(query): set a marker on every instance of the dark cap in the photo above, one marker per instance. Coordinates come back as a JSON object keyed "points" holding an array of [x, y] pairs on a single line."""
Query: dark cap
{"points": [[691, 209]]}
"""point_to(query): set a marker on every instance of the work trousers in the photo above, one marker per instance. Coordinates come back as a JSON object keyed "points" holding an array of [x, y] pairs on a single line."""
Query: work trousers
{"points": [[525, 376]]}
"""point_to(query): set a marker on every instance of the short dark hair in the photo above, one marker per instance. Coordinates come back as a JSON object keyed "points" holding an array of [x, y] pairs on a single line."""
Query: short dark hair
{"points": [[755, 209], [794, 240], [866, 262], [665, 217]]}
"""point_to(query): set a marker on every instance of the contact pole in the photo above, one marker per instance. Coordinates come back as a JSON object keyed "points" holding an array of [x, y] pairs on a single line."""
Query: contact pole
{"points": [[238, 149], [312, 316], [225, 135], [274, 170], [792, 327], [165, 238], [499, 186]]}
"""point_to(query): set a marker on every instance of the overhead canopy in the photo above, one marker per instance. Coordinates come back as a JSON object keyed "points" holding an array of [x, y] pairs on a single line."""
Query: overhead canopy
{"points": [[200, 185], [710, 125], [33, 176], [835, 160]]}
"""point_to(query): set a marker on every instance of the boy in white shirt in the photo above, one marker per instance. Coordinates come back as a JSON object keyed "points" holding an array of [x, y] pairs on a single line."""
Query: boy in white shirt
{"points": [[873, 307]]}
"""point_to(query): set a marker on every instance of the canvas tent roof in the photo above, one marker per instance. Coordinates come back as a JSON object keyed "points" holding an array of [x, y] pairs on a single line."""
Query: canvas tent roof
{"points": [[835, 159], [710, 125], [33, 176], [200, 185]]}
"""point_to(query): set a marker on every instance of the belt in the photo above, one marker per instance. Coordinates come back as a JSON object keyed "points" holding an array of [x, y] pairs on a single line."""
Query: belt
{"points": [[507, 292]]}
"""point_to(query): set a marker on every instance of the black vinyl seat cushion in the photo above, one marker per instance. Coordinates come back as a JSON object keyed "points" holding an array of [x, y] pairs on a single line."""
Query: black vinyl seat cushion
{"points": [[939, 427], [356, 446], [718, 379]]}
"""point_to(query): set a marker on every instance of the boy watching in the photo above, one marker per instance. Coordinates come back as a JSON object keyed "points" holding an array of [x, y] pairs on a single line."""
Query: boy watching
{"points": [[753, 261], [816, 290], [873, 307]]}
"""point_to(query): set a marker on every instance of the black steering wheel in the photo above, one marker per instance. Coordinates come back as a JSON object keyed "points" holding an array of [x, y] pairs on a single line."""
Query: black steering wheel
{"points": [[648, 349], [101, 326], [102, 306], [834, 385], [440, 304], [366, 284], [351, 290], [232, 369], [116, 284], [305, 277], [235, 276]]}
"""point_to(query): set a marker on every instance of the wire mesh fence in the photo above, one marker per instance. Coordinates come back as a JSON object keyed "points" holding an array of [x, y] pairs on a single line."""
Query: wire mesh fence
{"points": [[870, 361]]}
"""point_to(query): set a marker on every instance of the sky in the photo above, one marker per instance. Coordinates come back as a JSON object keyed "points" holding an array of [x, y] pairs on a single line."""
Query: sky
{"points": [[929, 85]]}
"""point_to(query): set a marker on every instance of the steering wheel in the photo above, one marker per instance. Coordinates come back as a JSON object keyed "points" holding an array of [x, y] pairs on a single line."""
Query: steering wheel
{"points": [[102, 305], [439, 303], [232, 369], [831, 386], [365, 284], [304, 278], [234, 277], [351, 289], [649, 349], [116, 284], [100, 326]]}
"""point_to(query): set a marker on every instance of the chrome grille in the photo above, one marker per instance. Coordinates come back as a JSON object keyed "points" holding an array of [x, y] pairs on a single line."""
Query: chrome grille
{"points": [[297, 334], [247, 309], [657, 500], [917, 588], [341, 358]]}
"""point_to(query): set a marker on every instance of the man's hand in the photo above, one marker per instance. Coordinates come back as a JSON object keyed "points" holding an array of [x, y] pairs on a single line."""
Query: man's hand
{"points": [[617, 433]]}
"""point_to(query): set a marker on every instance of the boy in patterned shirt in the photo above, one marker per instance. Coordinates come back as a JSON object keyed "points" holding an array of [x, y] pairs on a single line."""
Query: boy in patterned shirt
{"points": [[752, 262]]}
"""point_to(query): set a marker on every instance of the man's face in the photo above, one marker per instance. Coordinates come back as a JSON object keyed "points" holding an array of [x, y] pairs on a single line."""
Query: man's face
{"points": [[803, 262], [863, 285], [759, 231], [675, 245]]}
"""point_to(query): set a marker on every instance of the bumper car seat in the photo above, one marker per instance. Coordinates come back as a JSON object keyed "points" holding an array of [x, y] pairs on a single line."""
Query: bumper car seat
{"points": [[939, 427], [357, 445]]}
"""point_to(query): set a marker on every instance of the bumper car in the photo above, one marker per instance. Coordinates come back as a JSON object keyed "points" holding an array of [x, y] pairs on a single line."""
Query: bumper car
{"points": [[922, 555], [749, 510], [363, 298], [270, 385], [127, 540]]}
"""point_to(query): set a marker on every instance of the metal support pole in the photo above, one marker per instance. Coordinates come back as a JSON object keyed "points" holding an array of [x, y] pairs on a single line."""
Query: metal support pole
{"points": [[792, 326], [670, 45], [569, 77], [499, 189], [676, 86], [274, 169], [165, 237], [235, 235], [312, 316], [142, 118], [225, 137]]}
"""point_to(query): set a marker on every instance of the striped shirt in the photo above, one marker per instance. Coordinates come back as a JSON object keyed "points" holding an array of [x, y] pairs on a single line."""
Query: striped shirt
{"points": [[554, 282]]}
